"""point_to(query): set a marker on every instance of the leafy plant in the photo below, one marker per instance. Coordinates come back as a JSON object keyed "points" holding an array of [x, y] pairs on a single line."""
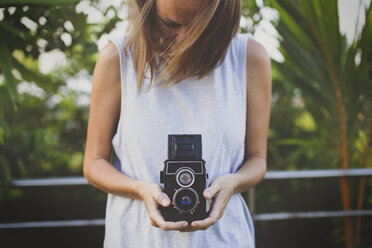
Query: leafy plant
{"points": [[336, 88], [45, 131]]}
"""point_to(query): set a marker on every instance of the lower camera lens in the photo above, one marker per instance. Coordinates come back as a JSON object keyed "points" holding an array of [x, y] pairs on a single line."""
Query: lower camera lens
{"points": [[185, 199]]}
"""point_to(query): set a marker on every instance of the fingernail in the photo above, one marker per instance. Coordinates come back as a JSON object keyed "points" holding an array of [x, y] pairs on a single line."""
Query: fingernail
{"points": [[165, 202], [207, 194], [184, 225]]}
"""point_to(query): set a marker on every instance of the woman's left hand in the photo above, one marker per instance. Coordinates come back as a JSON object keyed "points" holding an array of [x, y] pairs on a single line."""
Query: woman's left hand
{"points": [[219, 194]]}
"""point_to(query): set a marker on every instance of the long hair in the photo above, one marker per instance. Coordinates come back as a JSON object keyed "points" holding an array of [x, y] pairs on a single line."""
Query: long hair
{"points": [[203, 48]]}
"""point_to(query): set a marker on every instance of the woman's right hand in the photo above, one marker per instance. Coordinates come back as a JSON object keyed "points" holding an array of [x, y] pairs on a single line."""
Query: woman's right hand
{"points": [[153, 196]]}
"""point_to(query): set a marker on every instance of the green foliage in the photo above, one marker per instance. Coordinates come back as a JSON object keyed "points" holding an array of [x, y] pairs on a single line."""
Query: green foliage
{"points": [[4, 129], [45, 134], [17, 2], [251, 13], [322, 109], [320, 64], [6, 67]]}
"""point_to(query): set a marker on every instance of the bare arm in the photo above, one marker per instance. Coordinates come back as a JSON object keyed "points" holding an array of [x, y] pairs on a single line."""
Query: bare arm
{"points": [[258, 117], [103, 118], [253, 169]]}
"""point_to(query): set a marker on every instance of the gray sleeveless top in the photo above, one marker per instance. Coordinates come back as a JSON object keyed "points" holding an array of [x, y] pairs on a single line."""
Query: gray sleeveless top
{"points": [[215, 107]]}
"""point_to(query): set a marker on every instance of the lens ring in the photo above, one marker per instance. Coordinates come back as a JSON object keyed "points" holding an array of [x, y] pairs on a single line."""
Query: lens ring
{"points": [[184, 173], [178, 207]]}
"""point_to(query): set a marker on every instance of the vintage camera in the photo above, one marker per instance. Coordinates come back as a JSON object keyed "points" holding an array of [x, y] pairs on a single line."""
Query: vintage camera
{"points": [[184, 177]]}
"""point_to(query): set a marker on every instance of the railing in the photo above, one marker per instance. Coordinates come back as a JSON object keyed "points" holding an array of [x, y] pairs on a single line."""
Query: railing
{"points": [[270, 175]]}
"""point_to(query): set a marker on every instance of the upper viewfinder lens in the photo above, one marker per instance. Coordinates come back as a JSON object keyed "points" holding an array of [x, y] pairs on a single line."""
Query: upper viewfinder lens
{"points": [[185, 178]]}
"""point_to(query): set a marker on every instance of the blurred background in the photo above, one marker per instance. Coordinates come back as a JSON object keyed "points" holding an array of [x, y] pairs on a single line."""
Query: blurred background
{"points": [[318, 189]]}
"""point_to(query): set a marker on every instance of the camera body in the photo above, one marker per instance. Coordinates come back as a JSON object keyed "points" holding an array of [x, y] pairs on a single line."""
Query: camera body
{"points": [[185, 178]]}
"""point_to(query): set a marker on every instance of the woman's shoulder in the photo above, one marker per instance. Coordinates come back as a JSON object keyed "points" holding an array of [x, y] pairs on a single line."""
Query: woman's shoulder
{"points": [[109, 58], [107, 69], [109, 54], [256, 53], [258, 66], [244, 45]]}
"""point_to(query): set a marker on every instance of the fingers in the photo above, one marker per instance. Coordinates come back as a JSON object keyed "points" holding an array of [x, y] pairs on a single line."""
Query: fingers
{"points": [[204, 224], [159, 198], [211, 191], [156, 218], [217, 209], [168, 225], [162, 199], [200, 225], [214, 216]]}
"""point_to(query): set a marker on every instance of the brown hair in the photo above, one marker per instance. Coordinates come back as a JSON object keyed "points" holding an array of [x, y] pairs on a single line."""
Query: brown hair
{"points": [[204, 46]]}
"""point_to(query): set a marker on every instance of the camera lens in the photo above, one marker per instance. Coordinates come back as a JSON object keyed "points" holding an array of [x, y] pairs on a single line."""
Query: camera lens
{"points": [[185, 199], [185, 178]]}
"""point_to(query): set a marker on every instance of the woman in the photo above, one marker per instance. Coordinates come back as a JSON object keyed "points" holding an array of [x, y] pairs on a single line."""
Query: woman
{"points": [[201, 78]]}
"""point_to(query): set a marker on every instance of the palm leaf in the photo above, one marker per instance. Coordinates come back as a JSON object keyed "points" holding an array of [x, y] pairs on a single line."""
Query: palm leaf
{"points": [[6, 68], [4, 129], [336, 90]]}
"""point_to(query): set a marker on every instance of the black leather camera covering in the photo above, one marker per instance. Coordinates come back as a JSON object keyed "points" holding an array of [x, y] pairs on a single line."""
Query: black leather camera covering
{"points": [[184, 154], [184, 147]]}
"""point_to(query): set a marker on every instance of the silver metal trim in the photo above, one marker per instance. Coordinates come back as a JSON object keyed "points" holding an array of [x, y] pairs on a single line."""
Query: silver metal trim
{"points": [[188, 170], [257, 217], [35, 182], [63, 181], [318, 173], [183, 211], [309, 215], [57, 223]]}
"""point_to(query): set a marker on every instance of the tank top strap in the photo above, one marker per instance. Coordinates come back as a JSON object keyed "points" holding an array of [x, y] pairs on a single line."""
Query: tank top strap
{"points": [[124, 60], [239, 53], [234, 67], [119, 43]]}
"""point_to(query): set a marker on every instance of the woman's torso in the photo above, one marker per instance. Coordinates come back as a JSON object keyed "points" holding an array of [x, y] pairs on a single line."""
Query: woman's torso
{"points": [[214, 107]]}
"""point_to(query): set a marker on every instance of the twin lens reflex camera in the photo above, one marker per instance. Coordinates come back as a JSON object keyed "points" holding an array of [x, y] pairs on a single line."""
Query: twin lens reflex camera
{"points": [[184, 177]]}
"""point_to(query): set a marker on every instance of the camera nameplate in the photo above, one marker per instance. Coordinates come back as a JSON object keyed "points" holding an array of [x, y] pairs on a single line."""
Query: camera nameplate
{"points": [[172, 167]]}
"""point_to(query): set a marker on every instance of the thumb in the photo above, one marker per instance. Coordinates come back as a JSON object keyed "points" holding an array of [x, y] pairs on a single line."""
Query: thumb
{"points": [[210, 192], [163, 199]]}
